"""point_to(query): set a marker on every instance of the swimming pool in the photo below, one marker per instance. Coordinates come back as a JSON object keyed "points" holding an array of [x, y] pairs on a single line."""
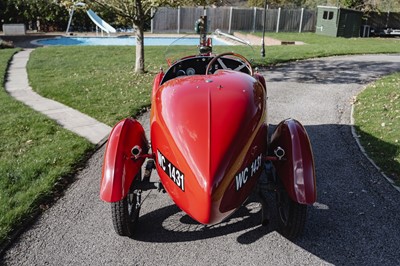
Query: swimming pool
{"points": [[148, 41]]}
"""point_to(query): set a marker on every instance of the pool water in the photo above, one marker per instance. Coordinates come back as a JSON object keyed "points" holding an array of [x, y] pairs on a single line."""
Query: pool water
{"points": [[148, 41]]}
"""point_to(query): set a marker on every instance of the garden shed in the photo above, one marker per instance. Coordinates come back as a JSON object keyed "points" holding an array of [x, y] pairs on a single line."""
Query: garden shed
{"points": [[338, 22]]}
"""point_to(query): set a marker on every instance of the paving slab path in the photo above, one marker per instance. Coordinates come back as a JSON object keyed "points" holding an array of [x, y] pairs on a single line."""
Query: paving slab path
{"points": [[17, 85], [356, 220]]}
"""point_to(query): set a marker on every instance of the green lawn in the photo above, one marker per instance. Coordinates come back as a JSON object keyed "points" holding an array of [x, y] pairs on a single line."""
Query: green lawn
{"points": [[377, 116], [100, 81], [35, 153], [322, 46]]}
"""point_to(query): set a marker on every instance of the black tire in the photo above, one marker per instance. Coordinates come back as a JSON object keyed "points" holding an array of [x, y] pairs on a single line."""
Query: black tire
{"points": [[125, 213], [291, 215]]}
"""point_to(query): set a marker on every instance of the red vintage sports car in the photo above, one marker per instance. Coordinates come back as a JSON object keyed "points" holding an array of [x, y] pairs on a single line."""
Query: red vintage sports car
{"points": [[210, 147]]}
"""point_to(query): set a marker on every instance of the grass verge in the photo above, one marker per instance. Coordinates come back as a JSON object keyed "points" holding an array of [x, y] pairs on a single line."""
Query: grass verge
{"points": [[34, 153], [99, 81], [322, 46], [377, 119]]}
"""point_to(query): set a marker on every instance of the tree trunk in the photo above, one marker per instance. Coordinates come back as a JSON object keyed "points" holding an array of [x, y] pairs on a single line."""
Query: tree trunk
{"points": [[139, 65]]}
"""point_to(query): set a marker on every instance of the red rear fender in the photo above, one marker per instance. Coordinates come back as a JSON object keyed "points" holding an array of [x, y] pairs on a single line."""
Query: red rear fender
{"points": [[297, 170], [119, 169], [260, 79]]}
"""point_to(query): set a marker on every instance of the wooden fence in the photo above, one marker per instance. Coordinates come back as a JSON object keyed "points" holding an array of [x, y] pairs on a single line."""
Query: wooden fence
{"points": [[230, 19], [382, 20]]}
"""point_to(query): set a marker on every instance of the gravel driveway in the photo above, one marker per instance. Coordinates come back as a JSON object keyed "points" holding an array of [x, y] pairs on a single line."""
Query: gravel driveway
{"points": [[355, 221]]}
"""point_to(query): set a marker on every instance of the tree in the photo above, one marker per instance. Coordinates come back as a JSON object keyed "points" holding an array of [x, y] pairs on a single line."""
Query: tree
{"points": [[38, 15], [138, 12], [276, 3], [353, 4], [363, 5], [315, 3]]}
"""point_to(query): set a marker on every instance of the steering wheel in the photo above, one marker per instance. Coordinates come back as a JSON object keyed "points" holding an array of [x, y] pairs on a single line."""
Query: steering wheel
{"points": [[245, 62]]}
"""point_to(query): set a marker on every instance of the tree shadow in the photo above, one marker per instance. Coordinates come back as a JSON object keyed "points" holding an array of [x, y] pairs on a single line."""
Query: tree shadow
{"points": [[354, 221], [334, 71], [170, 224], [382, 153], [356, 218]]}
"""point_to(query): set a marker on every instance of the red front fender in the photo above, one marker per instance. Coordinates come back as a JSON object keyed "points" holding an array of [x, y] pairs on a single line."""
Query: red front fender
{"points": [[297, 169], [119, 169]]}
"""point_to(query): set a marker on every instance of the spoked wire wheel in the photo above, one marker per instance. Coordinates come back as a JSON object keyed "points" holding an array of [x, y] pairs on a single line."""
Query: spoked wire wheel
{"points": [[291, 215], [125, 213]]}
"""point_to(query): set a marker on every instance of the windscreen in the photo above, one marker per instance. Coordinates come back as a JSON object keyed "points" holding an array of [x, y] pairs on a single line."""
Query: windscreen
{"points": [[189, 45]]}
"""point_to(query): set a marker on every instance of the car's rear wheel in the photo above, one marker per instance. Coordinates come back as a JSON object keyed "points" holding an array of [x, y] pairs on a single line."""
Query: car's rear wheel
{"points": [[291, 215], [125, 213]]}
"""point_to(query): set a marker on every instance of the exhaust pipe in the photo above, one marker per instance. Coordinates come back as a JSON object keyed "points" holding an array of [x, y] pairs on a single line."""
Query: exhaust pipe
{"points": [[279, 152], [136, 151]]}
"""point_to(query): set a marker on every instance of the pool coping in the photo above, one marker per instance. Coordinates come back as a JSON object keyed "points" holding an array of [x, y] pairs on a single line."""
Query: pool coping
{"points": [[219, 38]]}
